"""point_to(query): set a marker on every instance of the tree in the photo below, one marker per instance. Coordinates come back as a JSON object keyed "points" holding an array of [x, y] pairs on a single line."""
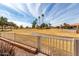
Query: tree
{"points": [[49, 25], [26, 27], [3, 22], [12, 25], [66, 26], [21, 27], [38, 20], [34, 23], [44, 25], [42, 17]]}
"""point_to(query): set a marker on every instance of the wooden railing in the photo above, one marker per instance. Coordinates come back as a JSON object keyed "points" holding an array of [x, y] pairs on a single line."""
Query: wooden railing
{"points": [[46, 44], [9, 46]]}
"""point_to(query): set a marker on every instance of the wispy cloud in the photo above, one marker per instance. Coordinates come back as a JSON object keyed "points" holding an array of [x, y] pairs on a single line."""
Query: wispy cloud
{"points": [[24, 14]]}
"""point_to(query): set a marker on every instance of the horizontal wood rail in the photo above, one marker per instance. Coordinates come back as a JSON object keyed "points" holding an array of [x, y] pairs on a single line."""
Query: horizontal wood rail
{"points": [[21, 46]]}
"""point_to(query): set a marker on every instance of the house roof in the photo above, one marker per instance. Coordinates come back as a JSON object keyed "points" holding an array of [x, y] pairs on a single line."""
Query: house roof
{"points": [[76, 24]]}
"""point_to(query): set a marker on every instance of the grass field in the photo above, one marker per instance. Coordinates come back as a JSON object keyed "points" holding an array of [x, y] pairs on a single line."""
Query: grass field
{"points": [[24, 36], [59, 32]]}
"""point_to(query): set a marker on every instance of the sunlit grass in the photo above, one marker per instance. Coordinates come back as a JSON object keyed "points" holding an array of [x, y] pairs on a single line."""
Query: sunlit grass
{"points": [[59, 32]]}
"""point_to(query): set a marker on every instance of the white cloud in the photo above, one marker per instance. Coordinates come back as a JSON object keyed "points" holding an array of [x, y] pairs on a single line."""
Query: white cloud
{"points": [[33, 9], [5, 13], [8, 15], [21, 23], [17, 7]]}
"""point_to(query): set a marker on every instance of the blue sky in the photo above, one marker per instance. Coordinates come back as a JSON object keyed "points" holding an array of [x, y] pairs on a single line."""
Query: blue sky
{"points": [[55, 13]]}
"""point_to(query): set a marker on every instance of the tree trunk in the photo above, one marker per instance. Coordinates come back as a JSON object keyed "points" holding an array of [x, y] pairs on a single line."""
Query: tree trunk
{"points": [[2, 28]]}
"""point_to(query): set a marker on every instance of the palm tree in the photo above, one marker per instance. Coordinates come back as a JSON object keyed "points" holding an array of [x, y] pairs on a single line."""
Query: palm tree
{"points": [[34, 23], [42, 18], [38, 20]]}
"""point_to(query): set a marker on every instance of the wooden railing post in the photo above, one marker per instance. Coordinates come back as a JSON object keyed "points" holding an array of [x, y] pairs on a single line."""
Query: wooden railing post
{"points": [[38, 43], [50, 47], [76, 47], [0, 34]]}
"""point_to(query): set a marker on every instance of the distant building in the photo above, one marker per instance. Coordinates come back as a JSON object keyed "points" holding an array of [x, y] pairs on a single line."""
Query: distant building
{"points": [[69, 26], [76, 25]]}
